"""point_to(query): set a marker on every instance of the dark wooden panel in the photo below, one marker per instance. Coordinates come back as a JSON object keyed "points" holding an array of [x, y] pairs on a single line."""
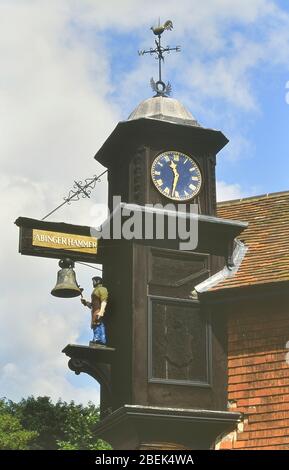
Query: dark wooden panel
{"points": [[175, 392], [117, 275], [137, 183], [140, 324], [174, 268], [178, 335]]}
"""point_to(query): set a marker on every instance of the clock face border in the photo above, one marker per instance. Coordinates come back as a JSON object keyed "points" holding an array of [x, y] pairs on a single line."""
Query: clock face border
{"points": [[194, 164]]}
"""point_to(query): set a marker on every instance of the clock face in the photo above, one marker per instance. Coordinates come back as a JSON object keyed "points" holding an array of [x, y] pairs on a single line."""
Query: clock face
{"points": [[176, 176]]}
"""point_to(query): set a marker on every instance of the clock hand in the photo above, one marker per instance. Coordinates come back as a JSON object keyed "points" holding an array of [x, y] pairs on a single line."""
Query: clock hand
{"points": [[176, 179], [173, 166]]}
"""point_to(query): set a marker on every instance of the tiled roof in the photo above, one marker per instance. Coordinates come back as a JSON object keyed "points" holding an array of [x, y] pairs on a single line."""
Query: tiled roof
{"points": [[267, 237]]}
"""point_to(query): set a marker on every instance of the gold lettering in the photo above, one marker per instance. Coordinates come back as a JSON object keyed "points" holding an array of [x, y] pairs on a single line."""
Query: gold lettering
{"points": [[64, 241]]}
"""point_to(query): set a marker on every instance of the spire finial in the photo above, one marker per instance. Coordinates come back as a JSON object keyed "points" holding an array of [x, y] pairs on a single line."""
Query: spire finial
{"points": [[160, 87]]}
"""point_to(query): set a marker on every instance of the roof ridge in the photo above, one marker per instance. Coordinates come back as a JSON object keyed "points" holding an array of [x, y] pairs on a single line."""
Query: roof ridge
{"points": [[257, 197]]}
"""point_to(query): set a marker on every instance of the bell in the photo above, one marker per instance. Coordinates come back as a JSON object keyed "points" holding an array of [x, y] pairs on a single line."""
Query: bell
{"points": [[66, 284]]}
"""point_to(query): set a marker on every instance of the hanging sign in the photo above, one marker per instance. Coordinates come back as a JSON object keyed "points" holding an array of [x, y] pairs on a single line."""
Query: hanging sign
{"points": [[56, 240]]}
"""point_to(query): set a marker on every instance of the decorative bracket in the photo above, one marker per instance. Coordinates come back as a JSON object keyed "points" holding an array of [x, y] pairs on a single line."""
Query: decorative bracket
{"points": [[97, 364]]}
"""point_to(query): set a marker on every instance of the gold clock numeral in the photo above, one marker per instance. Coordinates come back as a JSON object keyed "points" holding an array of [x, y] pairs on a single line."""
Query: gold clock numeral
{"points": [[157, 173], [159, 163], [166, 191], [192, 186], [192, 169], [176, 158], [159, 182], [185, 161], [195, 178], [186, 194], [166, 158], [177, 195]]}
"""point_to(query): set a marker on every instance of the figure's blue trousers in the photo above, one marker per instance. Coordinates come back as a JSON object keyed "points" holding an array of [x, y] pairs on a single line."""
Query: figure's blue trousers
{"points": [[99, 333]]}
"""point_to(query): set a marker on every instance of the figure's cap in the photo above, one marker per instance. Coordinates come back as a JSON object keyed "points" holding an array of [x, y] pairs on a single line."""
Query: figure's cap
{"points": [[97, 279]]}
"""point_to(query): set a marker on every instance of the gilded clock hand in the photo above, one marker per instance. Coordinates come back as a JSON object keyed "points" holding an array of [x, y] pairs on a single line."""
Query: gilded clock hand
{"points": [[176, 179], [173, 166]]}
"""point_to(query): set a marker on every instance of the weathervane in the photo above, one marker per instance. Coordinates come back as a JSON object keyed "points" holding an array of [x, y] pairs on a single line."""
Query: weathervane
{"points": [[160, 87], [79, 189]]}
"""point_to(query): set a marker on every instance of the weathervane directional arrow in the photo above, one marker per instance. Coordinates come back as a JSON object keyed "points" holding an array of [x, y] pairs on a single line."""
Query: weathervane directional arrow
{"points": [[160, 87]]}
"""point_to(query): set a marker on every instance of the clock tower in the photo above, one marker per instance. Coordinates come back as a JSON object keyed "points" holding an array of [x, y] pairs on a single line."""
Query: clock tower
{"points": [[161, 154], [163, 375]]}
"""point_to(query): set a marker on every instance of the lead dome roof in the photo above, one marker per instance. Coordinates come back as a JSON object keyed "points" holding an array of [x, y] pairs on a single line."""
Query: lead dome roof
{"points": [[164, 109]]}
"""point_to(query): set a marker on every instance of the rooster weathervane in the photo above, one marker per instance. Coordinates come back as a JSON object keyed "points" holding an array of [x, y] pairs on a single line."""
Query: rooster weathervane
{"points": [[160, 87]]}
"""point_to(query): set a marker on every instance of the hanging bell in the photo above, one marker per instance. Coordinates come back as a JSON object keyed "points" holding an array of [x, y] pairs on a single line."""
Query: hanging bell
{"points": [[66, 285]]}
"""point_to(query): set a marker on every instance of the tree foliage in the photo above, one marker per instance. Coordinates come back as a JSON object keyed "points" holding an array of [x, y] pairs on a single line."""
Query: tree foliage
{"points": [[12, 434], [64, 426]]}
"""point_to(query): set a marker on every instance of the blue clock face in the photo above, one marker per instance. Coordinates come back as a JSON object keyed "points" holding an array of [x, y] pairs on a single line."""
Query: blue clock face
{"points": [[176, 176]]}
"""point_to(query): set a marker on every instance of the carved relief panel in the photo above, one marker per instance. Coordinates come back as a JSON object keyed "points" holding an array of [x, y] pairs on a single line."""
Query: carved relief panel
{"points": [[179, 349]]}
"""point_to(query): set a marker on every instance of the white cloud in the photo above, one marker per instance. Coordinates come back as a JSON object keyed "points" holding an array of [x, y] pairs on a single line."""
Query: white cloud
{"points": [[54, 113], [226, 192], [53, 117], [56, 109]]}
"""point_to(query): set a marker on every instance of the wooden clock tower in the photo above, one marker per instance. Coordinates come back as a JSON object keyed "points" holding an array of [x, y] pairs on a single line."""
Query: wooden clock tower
{"points": [[163, 375], [159, 125]]}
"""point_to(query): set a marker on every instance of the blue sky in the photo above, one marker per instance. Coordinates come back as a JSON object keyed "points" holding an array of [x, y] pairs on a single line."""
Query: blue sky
{"points": [[256, 127], [260, 164], [69, 72]]}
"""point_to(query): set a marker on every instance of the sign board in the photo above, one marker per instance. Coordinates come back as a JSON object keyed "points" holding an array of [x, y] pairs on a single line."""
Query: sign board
{"points": [[56, 240], [64, 241]]}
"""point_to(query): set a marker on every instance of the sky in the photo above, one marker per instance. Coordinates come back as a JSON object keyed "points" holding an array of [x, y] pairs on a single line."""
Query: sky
{"points": [[69, 73]]}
